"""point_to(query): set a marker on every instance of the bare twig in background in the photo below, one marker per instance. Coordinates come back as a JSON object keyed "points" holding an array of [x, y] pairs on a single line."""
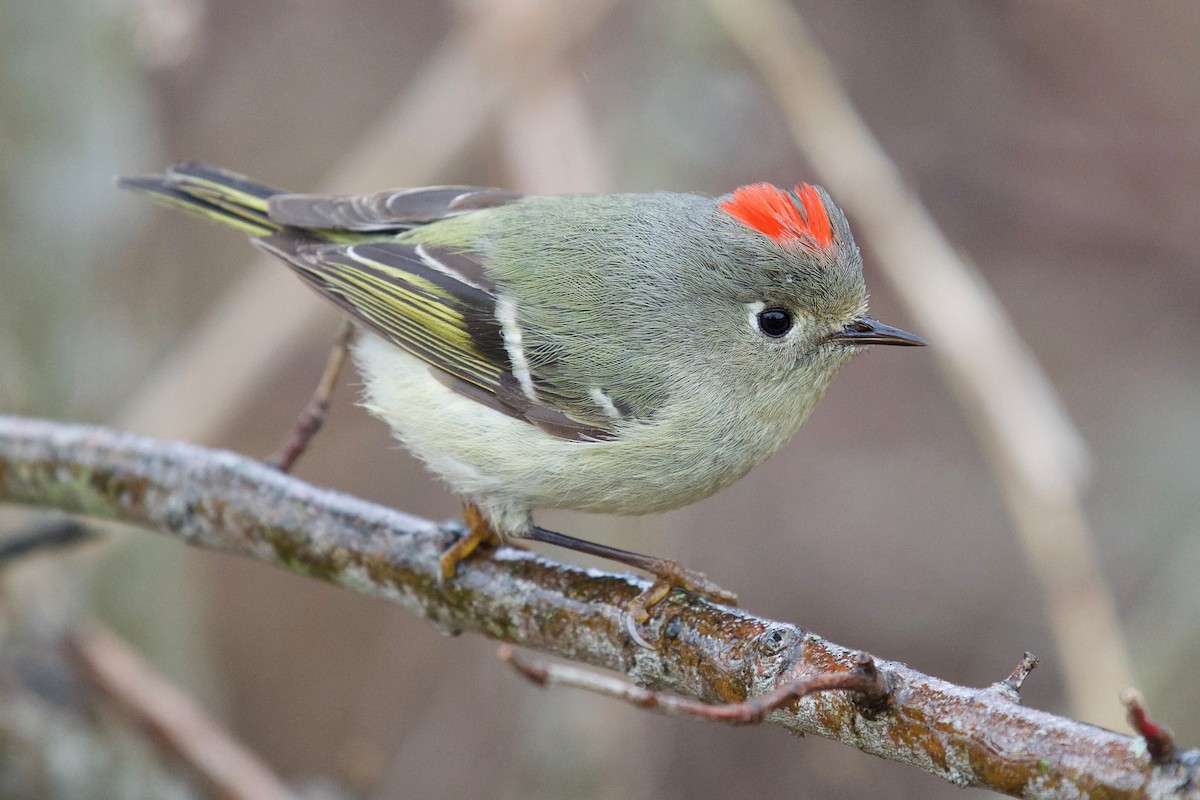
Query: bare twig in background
{"points": [[226, 502], [1036, 451], [226, 768], [549, 143], [313, 416], [46, 535]]}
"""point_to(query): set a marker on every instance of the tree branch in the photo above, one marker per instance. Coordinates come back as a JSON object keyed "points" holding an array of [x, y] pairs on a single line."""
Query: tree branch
{"points": [[223, 501]]}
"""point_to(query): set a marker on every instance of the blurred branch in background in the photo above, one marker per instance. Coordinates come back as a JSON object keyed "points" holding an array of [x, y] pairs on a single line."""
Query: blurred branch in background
{"points": [[1037, 454], [83, 714], [223, 765], [549, 145], [222, 501], [548, 141]]}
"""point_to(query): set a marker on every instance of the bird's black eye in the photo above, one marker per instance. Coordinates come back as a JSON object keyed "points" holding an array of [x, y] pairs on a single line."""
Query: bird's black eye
{"points": [[774, 322]]}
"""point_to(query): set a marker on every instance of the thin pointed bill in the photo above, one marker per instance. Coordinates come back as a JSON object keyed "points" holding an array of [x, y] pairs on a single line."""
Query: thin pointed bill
{"points": [[864, 331]]}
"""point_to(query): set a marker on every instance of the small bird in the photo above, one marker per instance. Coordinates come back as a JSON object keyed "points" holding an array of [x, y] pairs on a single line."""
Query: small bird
{"points": [[617, 353]]}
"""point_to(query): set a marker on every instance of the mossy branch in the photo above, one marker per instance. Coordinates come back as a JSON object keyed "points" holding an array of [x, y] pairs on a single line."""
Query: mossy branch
{"points": [[227, 502]]}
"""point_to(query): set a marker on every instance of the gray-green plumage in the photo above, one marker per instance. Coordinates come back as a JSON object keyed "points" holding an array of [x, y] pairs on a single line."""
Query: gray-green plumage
{"points": [[594, 352]]}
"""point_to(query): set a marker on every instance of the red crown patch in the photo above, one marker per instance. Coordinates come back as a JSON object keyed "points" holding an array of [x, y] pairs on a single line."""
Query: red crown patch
{"points": [[772, 212]]}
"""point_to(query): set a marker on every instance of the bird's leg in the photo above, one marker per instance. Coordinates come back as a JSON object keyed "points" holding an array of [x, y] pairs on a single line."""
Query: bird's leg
{"points": [[313, 415], [670, 574], [478, 532]]}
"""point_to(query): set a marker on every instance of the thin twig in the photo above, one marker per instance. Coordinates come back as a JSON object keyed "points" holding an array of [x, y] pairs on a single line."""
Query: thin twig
{"points": [[1016, 679], [1037, 454], [313, 416], [222, 501], [862, 678], [1160, 742], [226, 767]]}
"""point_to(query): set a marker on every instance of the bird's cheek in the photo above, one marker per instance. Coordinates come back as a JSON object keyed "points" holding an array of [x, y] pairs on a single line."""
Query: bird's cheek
{"points": [[810, 357], [829, 355]]}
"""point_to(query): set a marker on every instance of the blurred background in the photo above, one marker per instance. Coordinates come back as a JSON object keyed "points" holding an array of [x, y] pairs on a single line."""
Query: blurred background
{"points": [[1055, 145]]}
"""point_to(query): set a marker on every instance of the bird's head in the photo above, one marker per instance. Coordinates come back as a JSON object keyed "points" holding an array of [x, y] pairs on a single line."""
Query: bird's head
{"points": [[795, 303]]}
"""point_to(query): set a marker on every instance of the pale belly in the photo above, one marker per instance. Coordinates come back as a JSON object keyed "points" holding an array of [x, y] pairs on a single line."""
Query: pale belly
{"points": [[508, 467]]}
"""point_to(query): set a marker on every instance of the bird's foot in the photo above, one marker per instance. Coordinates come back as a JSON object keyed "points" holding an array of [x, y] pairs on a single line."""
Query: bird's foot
{"points": [[479, 532], [671, 575]]}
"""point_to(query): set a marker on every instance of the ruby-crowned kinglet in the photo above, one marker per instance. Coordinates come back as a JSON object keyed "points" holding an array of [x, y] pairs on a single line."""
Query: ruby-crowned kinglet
{"points": [[620, 353]]}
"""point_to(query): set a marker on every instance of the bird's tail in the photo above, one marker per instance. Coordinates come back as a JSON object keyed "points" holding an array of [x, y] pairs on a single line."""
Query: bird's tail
{"points": [[211, 192]]}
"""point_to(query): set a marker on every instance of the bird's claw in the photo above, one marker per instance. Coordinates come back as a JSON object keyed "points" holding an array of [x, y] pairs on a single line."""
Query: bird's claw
{"points": [[478, 532], [671, 576]]}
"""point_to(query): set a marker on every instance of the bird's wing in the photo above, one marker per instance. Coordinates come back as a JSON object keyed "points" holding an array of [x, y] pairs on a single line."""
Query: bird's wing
{"points": [[394, 210], [440, 305]]}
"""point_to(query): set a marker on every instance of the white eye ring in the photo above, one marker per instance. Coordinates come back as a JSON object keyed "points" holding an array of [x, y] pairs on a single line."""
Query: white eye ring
{"points": [[754, 310], [773, 323]]}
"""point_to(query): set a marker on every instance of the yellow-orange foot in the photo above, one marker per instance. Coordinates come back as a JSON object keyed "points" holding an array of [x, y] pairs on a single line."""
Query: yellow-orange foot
{"points": [[670, 574], [478, 532], [673, 575]]}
